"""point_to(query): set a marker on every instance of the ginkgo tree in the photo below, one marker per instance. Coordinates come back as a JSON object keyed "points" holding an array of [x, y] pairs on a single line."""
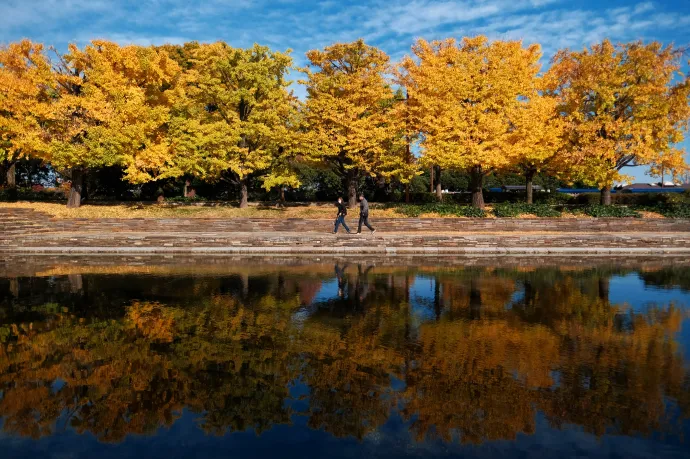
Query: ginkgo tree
{"points": [[349, 119], [110, 107], [232, 118], [669, 163], [625, 104], [25, 75], [463, 98], [537, 136]]}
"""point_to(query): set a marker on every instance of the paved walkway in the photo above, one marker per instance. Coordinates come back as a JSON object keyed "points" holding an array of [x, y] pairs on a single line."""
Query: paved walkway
{"points": [[27, 231]]}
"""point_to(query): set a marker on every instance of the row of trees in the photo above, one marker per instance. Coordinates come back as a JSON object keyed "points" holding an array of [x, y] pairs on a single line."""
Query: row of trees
{"points": [[218, 113]]}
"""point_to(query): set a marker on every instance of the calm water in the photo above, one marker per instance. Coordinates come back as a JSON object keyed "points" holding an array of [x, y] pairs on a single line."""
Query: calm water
{"points": [[344, 359]]}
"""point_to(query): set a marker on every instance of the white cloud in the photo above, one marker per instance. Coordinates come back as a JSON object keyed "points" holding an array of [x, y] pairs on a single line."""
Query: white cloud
{"points": [[303, 25]]}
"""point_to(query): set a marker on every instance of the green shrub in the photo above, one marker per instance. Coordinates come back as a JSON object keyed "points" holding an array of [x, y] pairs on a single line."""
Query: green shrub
{"points": [[185, 199], [588, 199], [396, 196], [491, 197], [423, 197], [675, 198], [507, 210], [443, 209], [610, 211], [514, 210], [635, 199], [469, 211], [457, 198], [409, 210], [28, 194], [674, 210], [553, 198]]}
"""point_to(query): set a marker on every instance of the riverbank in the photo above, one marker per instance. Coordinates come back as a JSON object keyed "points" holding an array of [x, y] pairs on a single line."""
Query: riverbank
{"points": [[182, 265], [321, 210], [28, 231]]}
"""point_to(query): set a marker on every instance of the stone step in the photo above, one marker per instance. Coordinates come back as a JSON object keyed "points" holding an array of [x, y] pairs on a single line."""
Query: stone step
{"points": [[327, 242]]}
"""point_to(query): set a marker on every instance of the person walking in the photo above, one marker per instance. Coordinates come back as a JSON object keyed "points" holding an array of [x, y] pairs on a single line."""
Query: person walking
{"points": [[364, 215], [340, 218]]}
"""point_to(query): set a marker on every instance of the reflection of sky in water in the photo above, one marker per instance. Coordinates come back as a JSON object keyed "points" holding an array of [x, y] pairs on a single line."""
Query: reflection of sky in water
{"points": [[422, 299], [392, 439], [421, 296], [631, 289], [328, 291]]}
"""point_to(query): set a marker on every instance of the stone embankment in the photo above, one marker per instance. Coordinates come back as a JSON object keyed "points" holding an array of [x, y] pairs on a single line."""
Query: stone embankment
{"points": [[28, 231]]}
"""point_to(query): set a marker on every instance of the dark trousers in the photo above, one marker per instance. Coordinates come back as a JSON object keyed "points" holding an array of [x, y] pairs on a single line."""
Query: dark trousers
{"points": [[340, 220], [364, 218]]}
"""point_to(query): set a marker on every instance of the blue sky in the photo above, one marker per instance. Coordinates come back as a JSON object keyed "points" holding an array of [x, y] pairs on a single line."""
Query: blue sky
{"points": [[302, 25]]}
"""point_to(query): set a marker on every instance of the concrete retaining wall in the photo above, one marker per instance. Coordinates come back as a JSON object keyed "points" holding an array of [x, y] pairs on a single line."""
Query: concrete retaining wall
{"points": [[25, 231]]}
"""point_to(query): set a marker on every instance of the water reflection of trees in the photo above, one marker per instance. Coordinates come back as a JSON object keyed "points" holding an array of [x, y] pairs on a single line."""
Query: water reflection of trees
{"points": [[501, 345]]}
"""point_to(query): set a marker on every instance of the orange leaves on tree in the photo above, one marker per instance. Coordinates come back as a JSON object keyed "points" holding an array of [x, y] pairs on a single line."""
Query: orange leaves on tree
{"points": [[626, 104]]}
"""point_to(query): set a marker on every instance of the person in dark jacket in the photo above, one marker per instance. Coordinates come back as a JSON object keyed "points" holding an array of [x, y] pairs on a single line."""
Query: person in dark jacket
{"points": [[364, 215], [340, 218]]}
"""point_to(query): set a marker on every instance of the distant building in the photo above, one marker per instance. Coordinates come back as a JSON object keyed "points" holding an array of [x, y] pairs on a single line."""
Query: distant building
{"points": [[521, 188], [652, 187]]}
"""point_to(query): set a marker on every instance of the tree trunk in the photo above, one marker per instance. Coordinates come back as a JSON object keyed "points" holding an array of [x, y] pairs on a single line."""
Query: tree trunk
{"points": [[12, 175], [437, 299], [351, 188], [14, 287], [475, 299], [439, 194], [529, 177], [75, 191], [606, 196], [84, 186], [407, 193], [185, 190], [530, 296], [604, 288], [431, 179], [282, 196], [244, 194], [76, 283], [245, 285], [476, 186]]}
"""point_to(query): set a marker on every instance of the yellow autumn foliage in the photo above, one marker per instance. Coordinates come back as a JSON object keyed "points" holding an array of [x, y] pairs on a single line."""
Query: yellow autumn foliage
{"points": [[25, 74], [223, 114], [625, 105], [349, 116], [464, 98], [232, 116]]}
